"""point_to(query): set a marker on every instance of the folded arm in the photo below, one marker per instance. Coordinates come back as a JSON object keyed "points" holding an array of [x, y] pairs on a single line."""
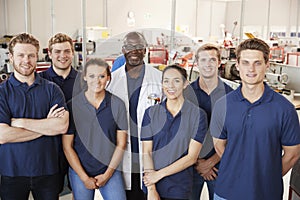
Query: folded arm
{"points": [[57, 122], [10, 134]]}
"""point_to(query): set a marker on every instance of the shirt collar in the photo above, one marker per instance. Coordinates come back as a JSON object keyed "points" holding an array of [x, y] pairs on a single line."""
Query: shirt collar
{"points": [[266, 97], [72, 74], [103, 104], [220, 85], [12, 79]]}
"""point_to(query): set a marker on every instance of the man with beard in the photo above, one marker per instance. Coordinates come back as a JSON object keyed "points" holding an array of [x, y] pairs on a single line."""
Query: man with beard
{"points": [[32, 116], [139, 86], [61, 72]]}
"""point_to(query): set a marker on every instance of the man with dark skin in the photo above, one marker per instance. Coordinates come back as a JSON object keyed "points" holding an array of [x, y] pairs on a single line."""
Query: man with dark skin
{"points": [[142, 85]]}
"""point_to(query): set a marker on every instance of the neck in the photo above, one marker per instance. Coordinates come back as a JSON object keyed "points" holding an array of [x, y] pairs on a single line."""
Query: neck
{"points": [[175, 105], [208, 84], [62, 72], [253, 92], [95, 98], [134, 72], [25, 79]]}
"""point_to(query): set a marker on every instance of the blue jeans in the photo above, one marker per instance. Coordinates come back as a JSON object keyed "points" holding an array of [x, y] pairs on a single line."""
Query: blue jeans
{"points": [[113, 190], [198, 182], [216, 197]]}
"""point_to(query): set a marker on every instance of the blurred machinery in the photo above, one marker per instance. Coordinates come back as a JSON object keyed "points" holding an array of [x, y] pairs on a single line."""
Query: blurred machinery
{"points": [[5, 69], [281, 76]]}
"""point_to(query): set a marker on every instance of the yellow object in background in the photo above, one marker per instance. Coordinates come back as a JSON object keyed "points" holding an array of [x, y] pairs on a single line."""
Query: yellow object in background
{"points": [[250, 35]]}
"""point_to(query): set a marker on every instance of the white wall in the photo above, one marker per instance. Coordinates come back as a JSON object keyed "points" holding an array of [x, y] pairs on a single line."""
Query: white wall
{"points": [[155, 14]]}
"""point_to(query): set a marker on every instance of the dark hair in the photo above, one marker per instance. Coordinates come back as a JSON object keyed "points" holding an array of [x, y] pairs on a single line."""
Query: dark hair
{"points": [[23, 38], [208, 47], [253, 44], [181, 70], [94, 61]]}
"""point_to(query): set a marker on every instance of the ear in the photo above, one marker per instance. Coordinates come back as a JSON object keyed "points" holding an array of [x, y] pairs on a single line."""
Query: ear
{"points": [[186, 83], [237, 66], [50, 54], [84, 78], [10, 56]]}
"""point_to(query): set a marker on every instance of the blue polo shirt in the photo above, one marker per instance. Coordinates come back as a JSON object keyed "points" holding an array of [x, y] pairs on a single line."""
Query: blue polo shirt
{"points": [[67, 85], [251, 166], [18, 100], [207, 102], [94, 130], [171, 137]]}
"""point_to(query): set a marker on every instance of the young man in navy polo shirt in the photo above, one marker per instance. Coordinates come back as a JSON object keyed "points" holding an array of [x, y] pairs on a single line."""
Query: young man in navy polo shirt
{"points": [[32, 115], [61, 72], [255, 131], [207, 89]]}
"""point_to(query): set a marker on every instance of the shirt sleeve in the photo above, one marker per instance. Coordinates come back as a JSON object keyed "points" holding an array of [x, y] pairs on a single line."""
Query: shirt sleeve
{"points": [[146, 131], [122, 122], [291, 128], [5, 114], [217, 128], [72, 127], [201, 127], [58, 97]]}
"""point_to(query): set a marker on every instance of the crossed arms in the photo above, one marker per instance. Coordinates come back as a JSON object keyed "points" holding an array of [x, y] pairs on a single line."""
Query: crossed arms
{"points": [[24, 129]]}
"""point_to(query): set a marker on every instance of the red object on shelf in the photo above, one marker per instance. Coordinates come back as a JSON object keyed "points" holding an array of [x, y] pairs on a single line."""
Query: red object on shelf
{"points": [[277, 54], [293, 58], [158, 55]]}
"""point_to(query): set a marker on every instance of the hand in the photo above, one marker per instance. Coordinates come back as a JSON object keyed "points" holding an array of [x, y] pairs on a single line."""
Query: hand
{"points": [[151, 178], [101, 180], [203, 166], [153, 195], [211, 175], [90, 183], [55, 112]]}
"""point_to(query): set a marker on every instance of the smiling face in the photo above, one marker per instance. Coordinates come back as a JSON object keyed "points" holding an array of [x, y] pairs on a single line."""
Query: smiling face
{"points": [[134, 49], [252, 67], [24, 59], [61, 55], [96, 78], [208, 63], [173, 84]]}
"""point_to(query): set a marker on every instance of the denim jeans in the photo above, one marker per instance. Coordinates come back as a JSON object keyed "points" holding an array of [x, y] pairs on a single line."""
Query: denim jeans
{"points": [[216, 197], [113, 190], [198, 182]]}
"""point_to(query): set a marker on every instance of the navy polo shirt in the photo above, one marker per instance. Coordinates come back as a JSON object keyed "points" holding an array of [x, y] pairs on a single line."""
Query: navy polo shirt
{"points": [[251, 166], [94, 130], [207, 102], [66, 84], [171, 137], [18, 100]]}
